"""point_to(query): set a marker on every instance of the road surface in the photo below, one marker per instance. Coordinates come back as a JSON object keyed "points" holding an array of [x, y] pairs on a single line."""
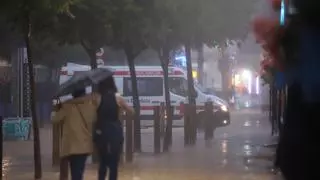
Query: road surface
{"points": [[230, 156]]}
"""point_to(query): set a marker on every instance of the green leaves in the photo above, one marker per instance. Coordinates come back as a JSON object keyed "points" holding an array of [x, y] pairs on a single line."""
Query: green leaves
{"points": [[40, 12], [140, 23]]}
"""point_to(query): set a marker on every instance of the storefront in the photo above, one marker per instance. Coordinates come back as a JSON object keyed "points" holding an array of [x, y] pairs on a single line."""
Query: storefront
{"points": [[246, 84]]}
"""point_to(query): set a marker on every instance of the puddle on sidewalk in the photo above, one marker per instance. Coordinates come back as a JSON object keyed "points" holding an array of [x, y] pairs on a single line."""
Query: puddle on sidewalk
{"points": [[6, 163]]}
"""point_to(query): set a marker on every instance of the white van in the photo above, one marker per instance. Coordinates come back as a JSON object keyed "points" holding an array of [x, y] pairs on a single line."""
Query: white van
{"points": [[151, 89]]}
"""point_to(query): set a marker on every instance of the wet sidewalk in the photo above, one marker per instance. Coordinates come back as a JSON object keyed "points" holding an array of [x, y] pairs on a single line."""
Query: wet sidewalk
{"points": [[225, 158]]}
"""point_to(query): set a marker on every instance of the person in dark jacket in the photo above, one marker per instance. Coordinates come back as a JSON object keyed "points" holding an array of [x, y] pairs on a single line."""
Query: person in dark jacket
{"points": [[108, 133]]}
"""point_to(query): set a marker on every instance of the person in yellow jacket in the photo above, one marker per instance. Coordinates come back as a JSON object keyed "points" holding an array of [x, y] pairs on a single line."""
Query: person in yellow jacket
{"points": [[76, 117]]}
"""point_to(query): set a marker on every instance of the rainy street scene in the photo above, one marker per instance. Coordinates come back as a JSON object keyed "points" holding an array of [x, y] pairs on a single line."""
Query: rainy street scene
{"points": [[159, 89]]}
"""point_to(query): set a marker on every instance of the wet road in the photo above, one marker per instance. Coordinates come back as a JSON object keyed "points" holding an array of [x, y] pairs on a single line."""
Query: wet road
{"points": [[228, 157]]}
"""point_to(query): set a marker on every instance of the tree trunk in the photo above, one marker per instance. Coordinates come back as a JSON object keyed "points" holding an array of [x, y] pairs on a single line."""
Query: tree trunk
{"points": [[191, 90], [35, 125], [92, 55], [165, 58], [200, 64], [224, 68], [93, 59], [135, 97], [225, 77]]}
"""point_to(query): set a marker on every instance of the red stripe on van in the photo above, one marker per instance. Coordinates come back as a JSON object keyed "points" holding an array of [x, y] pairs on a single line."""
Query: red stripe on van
{"points": [[146, 108]]}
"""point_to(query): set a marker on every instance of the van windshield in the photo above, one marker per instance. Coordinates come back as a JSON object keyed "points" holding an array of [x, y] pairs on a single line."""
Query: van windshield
{"points": [[178, 86]]}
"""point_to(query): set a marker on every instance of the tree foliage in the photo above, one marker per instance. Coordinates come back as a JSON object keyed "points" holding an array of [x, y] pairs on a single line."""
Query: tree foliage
{"points": [[128, 25], [5, 39], [29, 18], [86, 24], [194, 23], [162, 37]]}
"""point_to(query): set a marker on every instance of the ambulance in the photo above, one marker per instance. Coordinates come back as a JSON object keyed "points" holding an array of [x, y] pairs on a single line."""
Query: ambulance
{"points": [[151, 90]]}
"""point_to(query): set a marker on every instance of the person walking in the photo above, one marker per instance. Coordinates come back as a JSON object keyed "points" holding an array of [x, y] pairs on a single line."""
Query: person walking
{"points": [[76, 117], [108, 133]]}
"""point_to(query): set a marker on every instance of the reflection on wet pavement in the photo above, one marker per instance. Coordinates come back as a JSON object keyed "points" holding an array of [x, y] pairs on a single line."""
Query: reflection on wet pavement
{"points": [[5, 166], [224, 146], [247, 149], [224, 158], [247, 123], [252, 123]]}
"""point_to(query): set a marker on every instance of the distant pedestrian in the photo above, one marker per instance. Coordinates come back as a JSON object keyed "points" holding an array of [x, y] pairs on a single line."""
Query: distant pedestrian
{"points": [[76, 117], [108, 133], [210, 123]]}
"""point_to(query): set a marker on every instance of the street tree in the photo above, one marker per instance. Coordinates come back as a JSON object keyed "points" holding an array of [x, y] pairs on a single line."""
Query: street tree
{"points": [[88, 25], [28, 17], [225, 23], [5, 36], [187, 26], [52, 55], [162, 37], [128, 25]]}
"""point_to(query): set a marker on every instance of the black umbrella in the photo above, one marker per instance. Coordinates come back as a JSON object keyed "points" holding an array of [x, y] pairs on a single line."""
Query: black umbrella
{"points": [[83, 79]]}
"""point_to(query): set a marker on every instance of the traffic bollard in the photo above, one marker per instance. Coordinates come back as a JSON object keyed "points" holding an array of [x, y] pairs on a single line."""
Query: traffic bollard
{"points": [[1, 148], [64, 169], [157, 131], [129, 138], [55, 145], [63, 162], [162, 120], [193, 124], [121, 118], [187, 125], [208, 121], [168, 132]]}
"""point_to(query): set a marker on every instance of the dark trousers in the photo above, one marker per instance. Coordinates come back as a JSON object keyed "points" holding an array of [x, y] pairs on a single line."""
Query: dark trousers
{"points": [[109, 161], [209, 133], [77, 165]]}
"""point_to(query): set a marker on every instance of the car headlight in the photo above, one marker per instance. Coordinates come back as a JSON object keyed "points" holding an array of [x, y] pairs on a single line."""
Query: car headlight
{"points": [[224, 108]]}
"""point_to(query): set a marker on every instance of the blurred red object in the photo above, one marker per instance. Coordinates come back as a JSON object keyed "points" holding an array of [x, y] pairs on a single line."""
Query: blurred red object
{"points": [[267, 61], [265, 28], [268, 32], [276, 5]]}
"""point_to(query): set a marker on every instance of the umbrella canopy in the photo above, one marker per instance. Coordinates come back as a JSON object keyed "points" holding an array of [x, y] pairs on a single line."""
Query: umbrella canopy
{"points": [[83, 80]]}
